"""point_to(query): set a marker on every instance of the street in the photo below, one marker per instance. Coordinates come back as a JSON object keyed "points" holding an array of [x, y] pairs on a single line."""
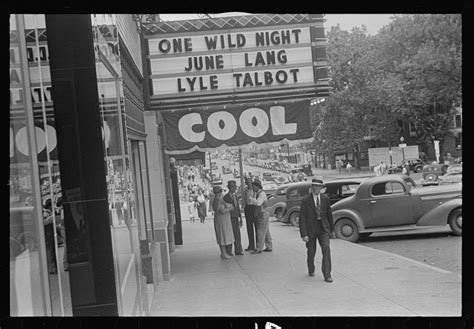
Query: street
{"points": [[435, 246]]}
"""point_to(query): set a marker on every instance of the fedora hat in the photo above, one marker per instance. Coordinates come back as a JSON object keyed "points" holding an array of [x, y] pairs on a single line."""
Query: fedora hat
{"points": [[257, 183], [217, 189], [231, 183], [317, 182]]}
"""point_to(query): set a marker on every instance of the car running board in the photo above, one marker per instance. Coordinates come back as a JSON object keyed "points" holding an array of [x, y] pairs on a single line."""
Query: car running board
{"points": [[394, 228]]}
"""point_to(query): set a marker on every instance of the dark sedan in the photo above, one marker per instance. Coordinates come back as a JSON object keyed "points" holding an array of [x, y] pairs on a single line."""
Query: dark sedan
{"points": [[337, 189]]}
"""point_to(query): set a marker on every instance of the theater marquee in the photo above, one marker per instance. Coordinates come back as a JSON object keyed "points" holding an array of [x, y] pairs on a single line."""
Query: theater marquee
{"points": [[236, 59]]}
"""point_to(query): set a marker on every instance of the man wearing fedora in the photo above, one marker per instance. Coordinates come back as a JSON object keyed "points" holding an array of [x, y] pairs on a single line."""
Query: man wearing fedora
{"points": [[316, 224], [235, 217], [262, 216]]}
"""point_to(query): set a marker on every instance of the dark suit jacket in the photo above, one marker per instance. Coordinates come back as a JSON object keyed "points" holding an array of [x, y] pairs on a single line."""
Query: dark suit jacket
{"points": [[308, 216], [236, 212]]}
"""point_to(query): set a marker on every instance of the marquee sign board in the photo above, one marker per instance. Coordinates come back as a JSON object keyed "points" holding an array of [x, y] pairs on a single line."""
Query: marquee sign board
{"points": [[203, 130], [243, 58]]}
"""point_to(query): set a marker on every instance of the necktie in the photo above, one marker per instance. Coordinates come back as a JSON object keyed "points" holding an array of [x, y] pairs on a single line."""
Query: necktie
{"points": [[318, 207]]}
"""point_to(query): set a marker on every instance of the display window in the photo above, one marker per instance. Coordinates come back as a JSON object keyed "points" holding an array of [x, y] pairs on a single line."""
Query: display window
{"points": [[120, 183]]}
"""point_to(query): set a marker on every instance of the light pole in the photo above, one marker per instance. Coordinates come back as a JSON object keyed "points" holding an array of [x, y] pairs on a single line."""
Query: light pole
{"points": [[402, 146]]}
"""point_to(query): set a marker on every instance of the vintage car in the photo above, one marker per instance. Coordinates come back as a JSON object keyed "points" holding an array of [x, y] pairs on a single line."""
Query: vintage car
{"points": [[415, 165], [337, 189], [432, 172], [450, 178], [226, 170], [277, 202], [389, 203], [216, 179], [269, 187]]}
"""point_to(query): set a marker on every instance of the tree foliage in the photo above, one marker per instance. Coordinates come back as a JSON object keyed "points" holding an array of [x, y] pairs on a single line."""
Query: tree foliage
{"points": [[410, 70]]}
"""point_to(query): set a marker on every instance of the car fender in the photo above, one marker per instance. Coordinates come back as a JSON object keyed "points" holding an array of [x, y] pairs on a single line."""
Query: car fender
{"points": [[348, 213], [280, 204], [293, 209], [439, 215]]}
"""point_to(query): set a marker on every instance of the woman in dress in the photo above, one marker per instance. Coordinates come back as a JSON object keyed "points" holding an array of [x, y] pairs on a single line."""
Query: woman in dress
{"points": [[222, 223], [201, 205]]}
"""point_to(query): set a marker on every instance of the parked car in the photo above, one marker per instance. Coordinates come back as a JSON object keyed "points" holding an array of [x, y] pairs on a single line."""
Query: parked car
{"points": [[277, 202], [432, 172], [281, 179], [236, 173], [307, 170], [389, 202], [267, 176], [450, 178], [415, 165], [336, 190], [216, 179], [269, 187], [226, 170]]}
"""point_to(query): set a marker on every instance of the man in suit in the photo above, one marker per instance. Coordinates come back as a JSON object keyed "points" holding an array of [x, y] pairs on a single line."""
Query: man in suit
{"points": [[316, 224], [249, 210], [235, 218]]}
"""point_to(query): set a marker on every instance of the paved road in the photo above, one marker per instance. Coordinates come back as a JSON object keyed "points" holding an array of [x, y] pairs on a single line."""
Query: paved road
{"points": [[433, 246]]}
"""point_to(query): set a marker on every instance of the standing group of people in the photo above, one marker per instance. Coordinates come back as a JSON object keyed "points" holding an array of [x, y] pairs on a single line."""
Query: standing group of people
{"points": [[316, 222], [381, 169], [228, 219]]}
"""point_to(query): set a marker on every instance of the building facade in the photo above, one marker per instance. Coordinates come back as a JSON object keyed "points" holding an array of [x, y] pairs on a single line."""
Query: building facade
{"points": [[89, 219]]}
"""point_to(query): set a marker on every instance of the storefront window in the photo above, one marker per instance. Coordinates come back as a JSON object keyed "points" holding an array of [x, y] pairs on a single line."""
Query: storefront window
{"points": [[28, 281], [120, 184]]}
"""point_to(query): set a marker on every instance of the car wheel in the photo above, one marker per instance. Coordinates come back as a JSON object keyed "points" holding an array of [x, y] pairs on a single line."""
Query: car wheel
{"points": [[455, 221], [295, 218], [347, 230], [279, 214]]}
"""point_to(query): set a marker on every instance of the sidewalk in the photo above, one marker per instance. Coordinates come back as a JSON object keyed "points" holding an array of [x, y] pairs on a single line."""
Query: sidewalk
{"points": [[367, 282]]}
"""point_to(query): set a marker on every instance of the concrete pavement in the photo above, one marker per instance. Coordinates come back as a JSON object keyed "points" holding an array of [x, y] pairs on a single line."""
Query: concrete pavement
{"points": [[367, 282]]}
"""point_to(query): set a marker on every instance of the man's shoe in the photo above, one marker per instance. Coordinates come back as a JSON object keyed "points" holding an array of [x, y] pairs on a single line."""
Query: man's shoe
{"points": [[230, 254], [239, 253], [311, 274], [256, 252], [249, 249], [267, 250], [328, 279]]}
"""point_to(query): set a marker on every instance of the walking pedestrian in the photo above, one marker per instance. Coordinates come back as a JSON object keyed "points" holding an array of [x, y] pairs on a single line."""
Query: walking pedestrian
{"points": [[201, 205], [383, 168], [235, 217], [191, 209], [262, 217], [249, 210], [349, 167], [222, 223], [316, 224]]}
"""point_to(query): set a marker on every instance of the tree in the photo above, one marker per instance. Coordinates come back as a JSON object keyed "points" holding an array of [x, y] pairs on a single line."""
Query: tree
{"points": [[424, 52]]}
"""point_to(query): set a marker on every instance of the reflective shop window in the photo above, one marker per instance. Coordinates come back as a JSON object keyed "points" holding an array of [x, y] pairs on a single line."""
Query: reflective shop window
{"points": [[28, 285], [140, 174], [119, 176]]}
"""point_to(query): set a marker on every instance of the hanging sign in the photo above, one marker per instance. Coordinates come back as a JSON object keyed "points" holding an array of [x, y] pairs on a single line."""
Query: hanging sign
{"points": [[202, 130]]}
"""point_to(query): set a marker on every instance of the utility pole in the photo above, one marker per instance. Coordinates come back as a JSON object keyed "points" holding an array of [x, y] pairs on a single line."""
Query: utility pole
{"points": [[210, 166], [241, 168], [288, 145]]}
